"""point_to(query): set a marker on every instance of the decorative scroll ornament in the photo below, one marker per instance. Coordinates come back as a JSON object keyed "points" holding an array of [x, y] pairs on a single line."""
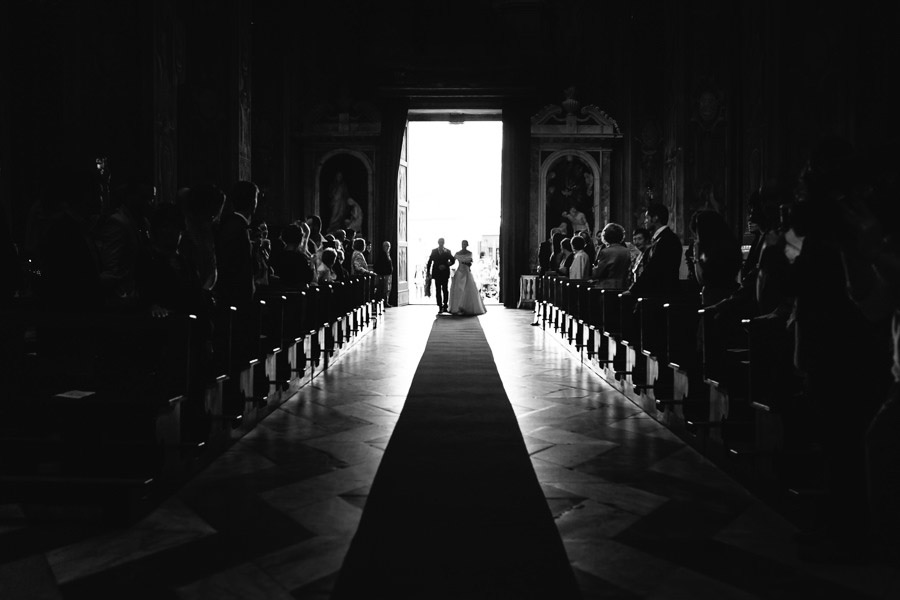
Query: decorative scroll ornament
{"points": [[567, 119]]}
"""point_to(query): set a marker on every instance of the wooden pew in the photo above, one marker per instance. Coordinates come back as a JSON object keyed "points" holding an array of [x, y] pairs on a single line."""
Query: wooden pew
{"points": [[100, 417]]}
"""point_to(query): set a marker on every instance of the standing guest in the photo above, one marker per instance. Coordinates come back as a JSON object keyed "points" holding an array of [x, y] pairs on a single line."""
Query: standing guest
{"points": [[292, 267], [341, 266], [325, 274], [262, 246], [202, 208], [545, 252], [589, 247], [67, 253], [640, 238], [581, 264], [236, 283], [124, 240], [358, 264], [566, 256], [557, 255], [316, 239], [384, 268], [613, 261], [663, 259], [717, 255], [167, 282]]}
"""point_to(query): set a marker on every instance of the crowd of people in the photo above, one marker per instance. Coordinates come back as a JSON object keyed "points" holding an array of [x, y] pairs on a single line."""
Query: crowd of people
{"points": [[820, 279], [128, 251]]}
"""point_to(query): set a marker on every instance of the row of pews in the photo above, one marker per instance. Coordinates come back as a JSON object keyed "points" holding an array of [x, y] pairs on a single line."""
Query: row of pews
{"points": [[727, 389], [115, 408]]}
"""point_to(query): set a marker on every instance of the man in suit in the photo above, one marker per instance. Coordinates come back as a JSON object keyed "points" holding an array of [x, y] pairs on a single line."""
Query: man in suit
{"points": [[438, 267], [662, 260]]}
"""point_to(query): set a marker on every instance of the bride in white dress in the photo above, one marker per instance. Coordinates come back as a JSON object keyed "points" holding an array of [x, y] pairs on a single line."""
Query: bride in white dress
{"points": [[465, 298]]}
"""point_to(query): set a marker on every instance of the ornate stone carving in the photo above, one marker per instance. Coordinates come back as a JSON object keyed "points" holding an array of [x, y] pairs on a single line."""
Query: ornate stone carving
{"points": [[567, 119], [345, 118], [709, 109]]}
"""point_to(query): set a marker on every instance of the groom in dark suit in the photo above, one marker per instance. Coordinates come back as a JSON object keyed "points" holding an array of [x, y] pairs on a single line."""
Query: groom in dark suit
{"points": [[438, 268]]}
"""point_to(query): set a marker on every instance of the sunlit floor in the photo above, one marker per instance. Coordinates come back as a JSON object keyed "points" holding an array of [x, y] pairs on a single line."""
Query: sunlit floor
{"points": [[641, 514]]}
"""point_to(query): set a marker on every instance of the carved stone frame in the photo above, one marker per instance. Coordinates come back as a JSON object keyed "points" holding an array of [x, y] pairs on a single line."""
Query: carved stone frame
{"points": [[366, 160], [567, 129]]}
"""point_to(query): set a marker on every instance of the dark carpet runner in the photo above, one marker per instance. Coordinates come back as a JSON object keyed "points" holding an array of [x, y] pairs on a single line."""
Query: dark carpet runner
{"points": [[456, 510]]}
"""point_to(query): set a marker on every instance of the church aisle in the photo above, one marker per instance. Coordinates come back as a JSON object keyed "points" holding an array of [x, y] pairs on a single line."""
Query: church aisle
{"points": [[641, 515]]}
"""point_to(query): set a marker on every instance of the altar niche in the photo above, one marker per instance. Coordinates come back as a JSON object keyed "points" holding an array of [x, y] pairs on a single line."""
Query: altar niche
{"points": [[344, 185], [571, 169], [570, 190]]}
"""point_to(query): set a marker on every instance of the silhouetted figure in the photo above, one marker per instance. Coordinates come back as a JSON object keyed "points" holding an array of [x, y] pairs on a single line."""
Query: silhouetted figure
{"points": [[438, 268], [124, 241], [662, 262], [291, 266], [384, 268], [556, 256], [839, 406], [202, 207], [717, 256], [68, 257], [234, 251], [613, 261]]}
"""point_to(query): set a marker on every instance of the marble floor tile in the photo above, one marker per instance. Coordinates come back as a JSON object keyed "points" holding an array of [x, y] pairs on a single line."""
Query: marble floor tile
{"points": [[592, 521], [299, 565], [244, 582], [170, 526], [572, 455], [330, 517], [637, 572], [684, 584], [28, 578]]}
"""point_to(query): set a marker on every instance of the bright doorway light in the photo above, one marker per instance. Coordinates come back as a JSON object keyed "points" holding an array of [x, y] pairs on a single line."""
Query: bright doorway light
{"points": [[454, 193]]}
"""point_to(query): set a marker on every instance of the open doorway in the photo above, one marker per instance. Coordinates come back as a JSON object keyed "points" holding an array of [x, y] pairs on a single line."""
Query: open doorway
{"points": [[453, 187]]}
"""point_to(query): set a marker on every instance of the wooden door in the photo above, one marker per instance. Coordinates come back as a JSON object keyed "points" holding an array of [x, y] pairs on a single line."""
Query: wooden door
{"points": [[402, 227]]}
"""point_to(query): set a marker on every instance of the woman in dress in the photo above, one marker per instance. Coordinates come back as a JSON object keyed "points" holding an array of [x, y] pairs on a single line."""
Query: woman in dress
{"points": [[465, 298]]}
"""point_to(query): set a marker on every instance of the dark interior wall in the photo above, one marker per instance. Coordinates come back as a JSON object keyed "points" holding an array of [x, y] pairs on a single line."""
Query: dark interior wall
{"points": [[79, 87], [204, 95], [709, 95]]}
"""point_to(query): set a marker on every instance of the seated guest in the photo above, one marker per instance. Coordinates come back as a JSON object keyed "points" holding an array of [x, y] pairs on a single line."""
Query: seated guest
{"points": [[581, 265], [291, 266], [640, 238], [662, 262], [325, 274], [358, 264], [566, 256], [613, 261]]}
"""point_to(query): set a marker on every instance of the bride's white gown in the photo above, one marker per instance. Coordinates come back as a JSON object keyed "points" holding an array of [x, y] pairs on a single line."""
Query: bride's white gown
{"points": [[464, 295]]}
